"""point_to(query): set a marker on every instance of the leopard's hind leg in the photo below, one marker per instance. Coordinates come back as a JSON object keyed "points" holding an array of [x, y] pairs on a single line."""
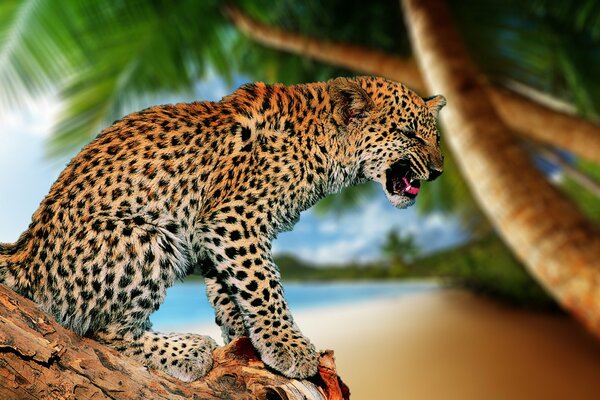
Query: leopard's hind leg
{"points": [[147, 255], [184, 356]]}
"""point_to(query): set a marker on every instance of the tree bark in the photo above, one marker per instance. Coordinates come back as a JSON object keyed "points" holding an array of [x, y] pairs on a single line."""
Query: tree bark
{"points": [[344, 55], [535, 121], [556, 243], [39, 359]]}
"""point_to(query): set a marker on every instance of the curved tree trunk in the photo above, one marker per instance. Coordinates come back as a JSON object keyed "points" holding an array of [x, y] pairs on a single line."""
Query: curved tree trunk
{"points": [[557, 244], [540, 123], [525, 116], [39, 359], [343, 55]]}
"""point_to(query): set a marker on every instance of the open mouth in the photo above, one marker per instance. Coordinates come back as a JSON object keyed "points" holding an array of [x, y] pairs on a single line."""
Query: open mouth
{"points": [[399, 180]]}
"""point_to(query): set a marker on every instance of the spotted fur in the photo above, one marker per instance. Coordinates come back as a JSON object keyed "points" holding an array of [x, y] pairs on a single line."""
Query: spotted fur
{"points": [[209, 185]]}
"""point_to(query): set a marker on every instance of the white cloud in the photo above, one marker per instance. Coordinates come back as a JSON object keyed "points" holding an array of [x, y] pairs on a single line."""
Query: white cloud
{"points": [[339, 252], [35, 118], [329, 227], [357, 236]]}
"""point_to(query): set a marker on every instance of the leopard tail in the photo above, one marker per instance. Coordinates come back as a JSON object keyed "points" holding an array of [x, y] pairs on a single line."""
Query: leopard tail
{"points": [[7, 249], [12, 253]]}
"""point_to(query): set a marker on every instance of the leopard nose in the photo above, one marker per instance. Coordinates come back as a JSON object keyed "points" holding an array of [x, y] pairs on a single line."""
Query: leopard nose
{"points": [[433, 174]]}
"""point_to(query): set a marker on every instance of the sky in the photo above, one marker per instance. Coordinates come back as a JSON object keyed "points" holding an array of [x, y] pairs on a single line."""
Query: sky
{"points": [[355, 236]]}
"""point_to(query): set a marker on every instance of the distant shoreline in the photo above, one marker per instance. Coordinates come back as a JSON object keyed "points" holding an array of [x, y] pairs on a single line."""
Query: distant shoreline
{"points": [[185, 302]]}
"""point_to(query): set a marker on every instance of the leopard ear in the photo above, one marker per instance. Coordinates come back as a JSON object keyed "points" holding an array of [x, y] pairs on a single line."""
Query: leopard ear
{"points": [[435, 103], [350, 101]]}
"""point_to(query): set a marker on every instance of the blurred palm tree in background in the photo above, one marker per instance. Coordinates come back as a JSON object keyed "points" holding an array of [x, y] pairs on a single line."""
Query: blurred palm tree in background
{"points": [[106, 58], [399, 252], [558, 245]]}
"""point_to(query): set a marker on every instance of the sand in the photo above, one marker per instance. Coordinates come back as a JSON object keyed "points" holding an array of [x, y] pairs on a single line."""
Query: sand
{"points": [[450, 344]]}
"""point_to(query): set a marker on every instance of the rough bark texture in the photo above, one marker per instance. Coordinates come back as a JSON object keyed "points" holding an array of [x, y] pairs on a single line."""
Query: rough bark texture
{"points": [[39, 359], [558, 245], [523, 115]]}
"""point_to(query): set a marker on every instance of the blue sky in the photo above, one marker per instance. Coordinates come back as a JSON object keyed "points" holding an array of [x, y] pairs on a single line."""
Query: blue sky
{"points": [[26, 176]]}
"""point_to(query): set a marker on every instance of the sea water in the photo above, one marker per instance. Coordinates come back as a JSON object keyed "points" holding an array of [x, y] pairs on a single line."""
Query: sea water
{"points": [[186, 302]]}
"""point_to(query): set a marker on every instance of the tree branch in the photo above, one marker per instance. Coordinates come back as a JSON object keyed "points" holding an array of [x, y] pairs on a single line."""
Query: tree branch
{"points": [[40, 359], [519, 113], [344, 55]]}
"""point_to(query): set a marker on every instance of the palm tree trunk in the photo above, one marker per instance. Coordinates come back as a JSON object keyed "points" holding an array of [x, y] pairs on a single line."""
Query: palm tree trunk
{"points": [[557, 244], [523, 115]]}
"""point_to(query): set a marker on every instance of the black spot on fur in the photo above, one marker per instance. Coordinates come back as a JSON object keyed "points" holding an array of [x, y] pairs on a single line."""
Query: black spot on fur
{"points": [[245, 133]]}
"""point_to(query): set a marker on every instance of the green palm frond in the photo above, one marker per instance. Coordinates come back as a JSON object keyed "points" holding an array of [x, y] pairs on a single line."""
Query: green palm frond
{"points": [[550, 45], [30, 59], [580, 16], [106, 57]]}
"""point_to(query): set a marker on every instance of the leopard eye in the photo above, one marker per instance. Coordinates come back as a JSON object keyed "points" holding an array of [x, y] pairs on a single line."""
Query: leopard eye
{"points": [[413, 135]]}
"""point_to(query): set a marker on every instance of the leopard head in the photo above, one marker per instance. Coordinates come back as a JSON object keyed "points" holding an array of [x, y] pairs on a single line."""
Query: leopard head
{"points": [[390, 134]]}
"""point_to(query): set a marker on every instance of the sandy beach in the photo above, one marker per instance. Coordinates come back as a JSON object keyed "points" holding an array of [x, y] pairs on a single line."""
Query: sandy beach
{"points": [[450, 344]]}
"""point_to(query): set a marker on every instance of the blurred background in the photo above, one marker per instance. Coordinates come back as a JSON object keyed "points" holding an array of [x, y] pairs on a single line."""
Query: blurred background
{"points": [[425, 303]]}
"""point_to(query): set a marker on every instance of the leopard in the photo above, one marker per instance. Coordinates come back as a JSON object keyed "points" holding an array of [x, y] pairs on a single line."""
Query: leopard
{"points": [[207, 186]]}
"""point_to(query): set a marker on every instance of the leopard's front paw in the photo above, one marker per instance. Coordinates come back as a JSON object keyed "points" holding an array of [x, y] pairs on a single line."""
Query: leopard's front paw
{"points": [[295, 358]]}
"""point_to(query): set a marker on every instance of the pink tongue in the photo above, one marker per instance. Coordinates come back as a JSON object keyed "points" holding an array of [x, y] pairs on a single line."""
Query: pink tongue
{"points": [[410, 189]]}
